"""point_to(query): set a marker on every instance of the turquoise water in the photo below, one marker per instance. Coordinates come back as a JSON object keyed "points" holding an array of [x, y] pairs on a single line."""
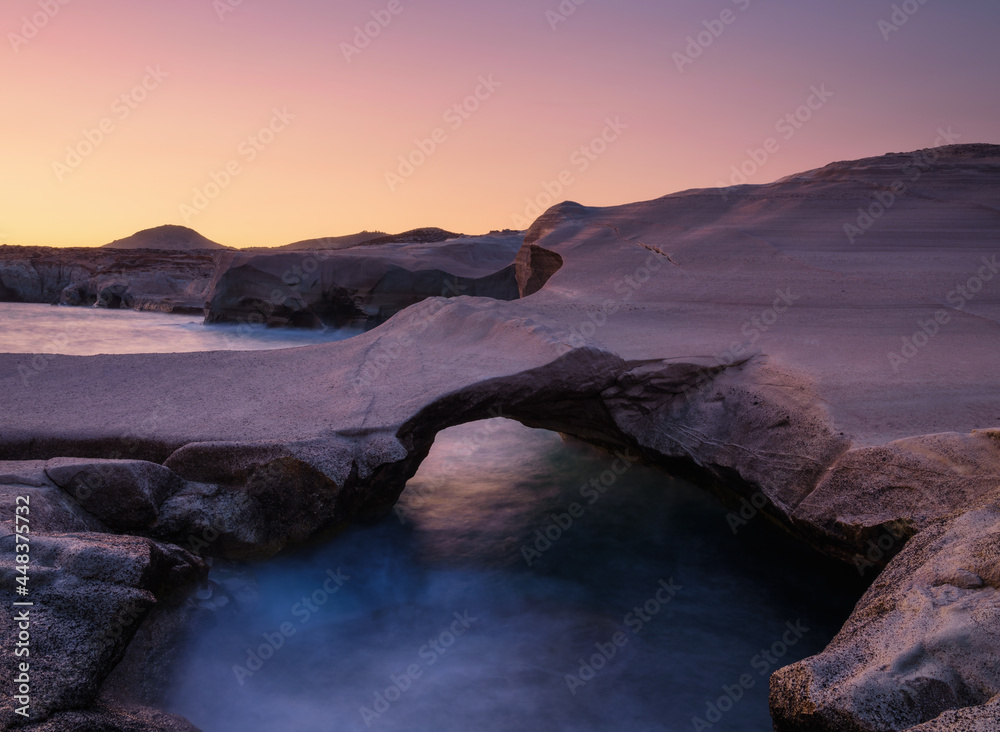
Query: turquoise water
{"points": [[508, 593], [80, 331]]}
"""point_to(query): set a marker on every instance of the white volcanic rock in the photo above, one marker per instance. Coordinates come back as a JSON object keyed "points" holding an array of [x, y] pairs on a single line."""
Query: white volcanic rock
{"points": [[982, 718], [922, 641], [359, 284], [742, 334], [167, 281]]}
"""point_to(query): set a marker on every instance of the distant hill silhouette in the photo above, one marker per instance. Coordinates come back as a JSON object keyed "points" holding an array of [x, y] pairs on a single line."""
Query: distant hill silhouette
{"points": [[181, 238], [332, 242], [428, 235], [167, 238]]}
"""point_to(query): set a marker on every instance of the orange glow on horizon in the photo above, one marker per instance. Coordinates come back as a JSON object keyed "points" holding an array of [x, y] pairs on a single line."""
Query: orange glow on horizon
{"points": [[123, 116]]}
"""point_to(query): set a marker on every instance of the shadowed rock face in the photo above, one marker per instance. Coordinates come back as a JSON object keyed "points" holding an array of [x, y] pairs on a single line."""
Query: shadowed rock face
{"points": [[141, 279], [91, 590], [340, 283], [123, 494], [744, 335], [362, 285]]}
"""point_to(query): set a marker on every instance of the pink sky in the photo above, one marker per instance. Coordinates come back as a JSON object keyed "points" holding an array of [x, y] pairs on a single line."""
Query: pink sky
{"points": [[589, 106]]}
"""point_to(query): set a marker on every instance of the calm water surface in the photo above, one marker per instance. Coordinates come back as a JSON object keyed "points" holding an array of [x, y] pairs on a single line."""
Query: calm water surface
{"points": [[79, 331], [534, 648]]}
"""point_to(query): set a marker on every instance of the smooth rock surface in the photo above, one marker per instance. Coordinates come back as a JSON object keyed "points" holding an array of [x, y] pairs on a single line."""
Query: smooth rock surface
{"points": [[360, 284], [770, 339]]}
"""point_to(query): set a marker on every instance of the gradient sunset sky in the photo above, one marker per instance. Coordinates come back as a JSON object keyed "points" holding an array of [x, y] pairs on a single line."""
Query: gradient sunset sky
{"points": [[216, 72]]}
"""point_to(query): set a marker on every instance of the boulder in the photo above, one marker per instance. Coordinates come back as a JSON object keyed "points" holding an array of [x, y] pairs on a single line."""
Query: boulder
{"points": [[90, 594], [360, 285], [924, 640], [124, 494], [52, 510]]}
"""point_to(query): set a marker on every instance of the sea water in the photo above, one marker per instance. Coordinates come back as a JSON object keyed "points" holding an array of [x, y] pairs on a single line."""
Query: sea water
{"points": [[522, 583], [82, 331]]}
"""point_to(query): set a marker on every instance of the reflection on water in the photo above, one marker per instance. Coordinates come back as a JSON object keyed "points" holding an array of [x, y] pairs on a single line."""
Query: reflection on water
{"points": [[432, 620], [89, 331]]}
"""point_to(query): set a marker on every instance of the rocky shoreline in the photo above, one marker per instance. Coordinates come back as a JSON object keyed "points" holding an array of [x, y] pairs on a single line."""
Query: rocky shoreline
{"points": [[358, 285], [164, 281], [745, 335]]}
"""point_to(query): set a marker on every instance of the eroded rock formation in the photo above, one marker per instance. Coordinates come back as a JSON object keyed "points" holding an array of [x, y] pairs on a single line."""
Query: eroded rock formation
{"points": [[923, 642], [364, 284], [165, 281], [343, 282], [749, 336]]}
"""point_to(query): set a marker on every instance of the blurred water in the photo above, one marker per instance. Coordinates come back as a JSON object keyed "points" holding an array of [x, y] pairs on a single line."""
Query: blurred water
{"points": [[455, 545], [79, 331]]}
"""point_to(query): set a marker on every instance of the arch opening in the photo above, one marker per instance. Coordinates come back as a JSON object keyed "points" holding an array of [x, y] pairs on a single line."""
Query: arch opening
{"points": [[524, 580]]}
